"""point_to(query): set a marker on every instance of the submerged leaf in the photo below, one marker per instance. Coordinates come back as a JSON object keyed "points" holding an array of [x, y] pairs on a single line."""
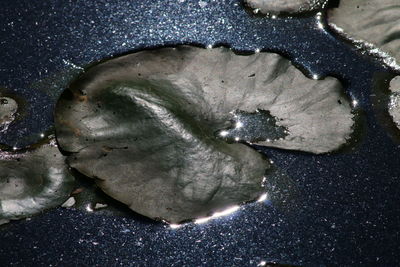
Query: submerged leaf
{"points": [[375, 21], [285, 6], [144, 125], [394, 104], [32, 181]]}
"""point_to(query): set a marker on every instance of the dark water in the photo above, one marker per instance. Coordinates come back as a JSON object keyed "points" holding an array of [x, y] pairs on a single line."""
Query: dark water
{"points": [[252, 127], [345, 207]]}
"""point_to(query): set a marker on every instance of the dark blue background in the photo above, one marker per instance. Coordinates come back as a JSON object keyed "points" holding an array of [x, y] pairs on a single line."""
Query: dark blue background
{"points": [[346, 207]]}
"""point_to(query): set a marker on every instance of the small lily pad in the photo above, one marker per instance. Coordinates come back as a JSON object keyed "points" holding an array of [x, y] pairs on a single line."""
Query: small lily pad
{"points": [[32, 181], [285, 6], [145, 126], [8, 109], [394, 104]]}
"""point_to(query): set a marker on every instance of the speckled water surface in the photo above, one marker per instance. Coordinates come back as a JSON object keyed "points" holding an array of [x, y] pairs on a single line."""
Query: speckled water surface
{"points": [[340, 209]]}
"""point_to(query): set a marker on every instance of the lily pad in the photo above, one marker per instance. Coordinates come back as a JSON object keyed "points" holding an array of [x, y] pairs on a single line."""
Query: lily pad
{"points": [[375, 21], [8, 109], [394, 104], [285, 6], [32, 181], [145, 126], [215, 84]]}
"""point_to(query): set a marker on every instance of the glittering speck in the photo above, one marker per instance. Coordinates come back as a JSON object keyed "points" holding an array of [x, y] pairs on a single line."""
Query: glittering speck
{"points": [[253, 127], [202, 4]]}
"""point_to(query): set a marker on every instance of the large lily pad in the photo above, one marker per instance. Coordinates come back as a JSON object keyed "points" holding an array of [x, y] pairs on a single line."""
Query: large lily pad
{"points": [[32, 181], [285, 6], [145, 125], [375, 21], [215, 85]]}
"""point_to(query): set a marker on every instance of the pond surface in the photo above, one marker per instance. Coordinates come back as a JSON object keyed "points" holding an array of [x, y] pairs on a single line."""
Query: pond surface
{"points": [[339, 209]]}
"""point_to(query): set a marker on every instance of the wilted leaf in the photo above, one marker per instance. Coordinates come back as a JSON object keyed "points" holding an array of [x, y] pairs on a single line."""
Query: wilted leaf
{"points": [[32, 181], [144, 126]]}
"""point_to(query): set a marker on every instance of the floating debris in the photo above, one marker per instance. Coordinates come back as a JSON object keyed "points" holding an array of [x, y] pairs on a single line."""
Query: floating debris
{"points": [[78, 191], [69, 203], [100, 206]]}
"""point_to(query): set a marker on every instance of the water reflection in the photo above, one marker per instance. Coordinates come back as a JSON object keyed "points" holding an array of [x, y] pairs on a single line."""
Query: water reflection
{"points": [[89, 208], [281, 192], [263, 197], [223, 213]]}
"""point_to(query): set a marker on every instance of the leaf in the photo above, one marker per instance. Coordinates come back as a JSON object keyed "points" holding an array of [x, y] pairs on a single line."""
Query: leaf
{"points": [[394, 104], [375, 21], [285, 6], [8, 109], [32, 181], [144, 126]]}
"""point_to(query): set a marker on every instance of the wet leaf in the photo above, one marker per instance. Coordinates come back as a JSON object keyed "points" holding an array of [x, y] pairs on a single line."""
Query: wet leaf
{"points": [[213, 86], [375, 21], [144, 126], [285, 6], [32, 181], [8, 108], [394, 104]]}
